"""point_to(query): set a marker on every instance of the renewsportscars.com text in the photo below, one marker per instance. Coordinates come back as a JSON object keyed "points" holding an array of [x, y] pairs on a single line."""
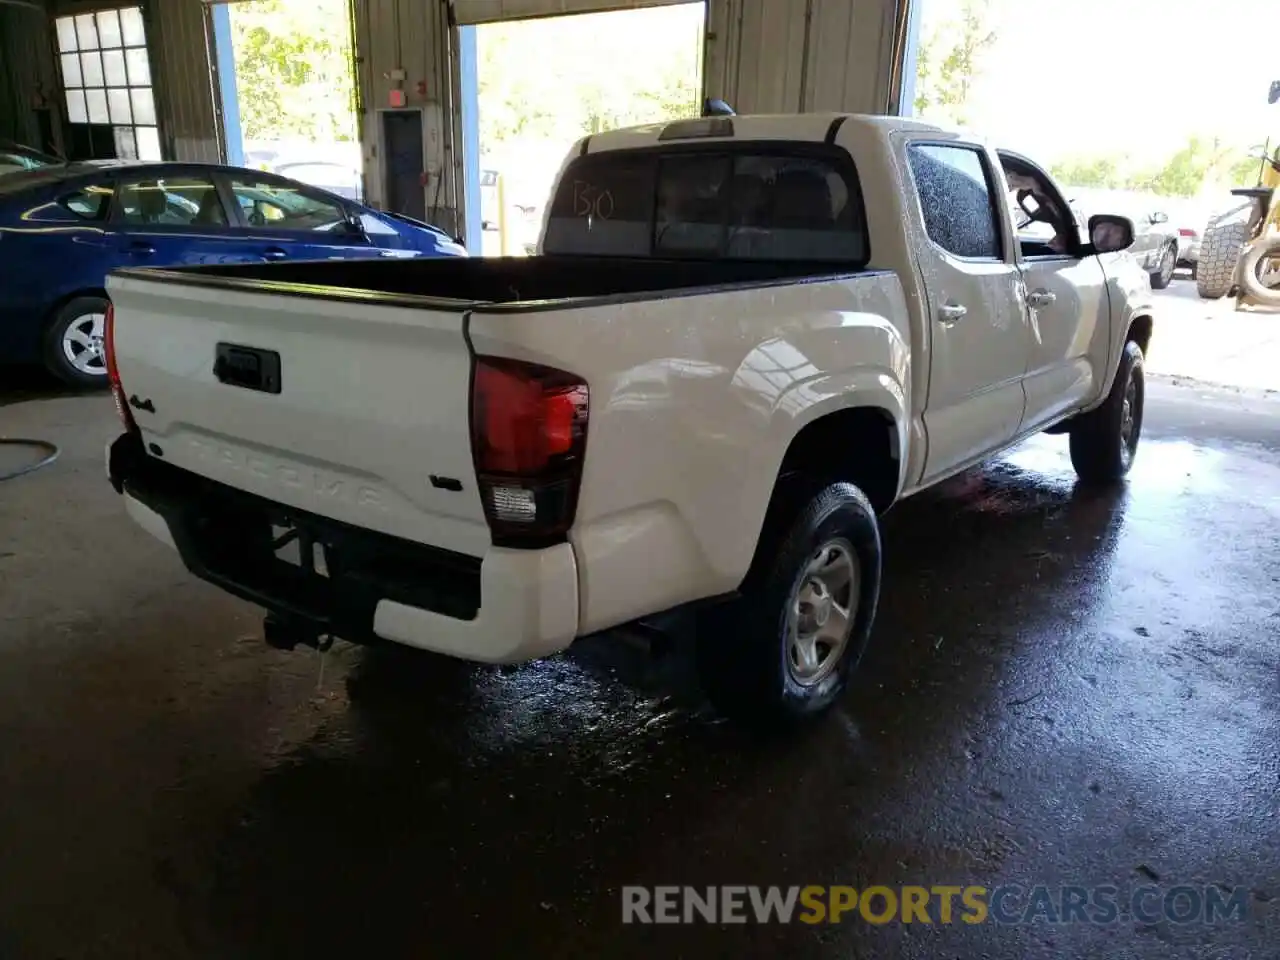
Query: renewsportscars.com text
{"points": [[939, 904]]}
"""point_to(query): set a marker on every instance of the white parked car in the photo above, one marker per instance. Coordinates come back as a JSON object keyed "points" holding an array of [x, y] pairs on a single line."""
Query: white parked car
{"points": [[744, 339], [1158, 244]]}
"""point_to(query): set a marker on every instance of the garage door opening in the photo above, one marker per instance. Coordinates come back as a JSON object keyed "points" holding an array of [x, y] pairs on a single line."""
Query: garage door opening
{"points": [[286, 76], [1177, 134], [542, 84]]}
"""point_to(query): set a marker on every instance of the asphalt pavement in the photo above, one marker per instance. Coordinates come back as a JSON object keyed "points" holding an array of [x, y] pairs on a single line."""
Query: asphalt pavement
{"points": [[1211, 341], [1065, 688]]}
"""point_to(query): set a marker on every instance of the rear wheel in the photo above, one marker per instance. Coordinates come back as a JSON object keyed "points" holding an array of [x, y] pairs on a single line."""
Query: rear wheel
{"points": [[73, 344], [1104, 441], [785, 650], [1163, 273], [1220, 248]]}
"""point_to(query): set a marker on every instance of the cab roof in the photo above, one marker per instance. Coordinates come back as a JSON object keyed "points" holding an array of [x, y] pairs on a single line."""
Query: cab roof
{"points": [[815, 127]]}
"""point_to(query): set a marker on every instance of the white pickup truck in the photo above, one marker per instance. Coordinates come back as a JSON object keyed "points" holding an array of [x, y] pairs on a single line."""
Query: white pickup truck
{"points": [[741, 340]]}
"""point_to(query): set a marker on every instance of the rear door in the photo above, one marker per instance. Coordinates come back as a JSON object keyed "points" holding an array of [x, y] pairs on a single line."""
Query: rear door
{"points": [[979, 335], [292, 221], [162, 220]]}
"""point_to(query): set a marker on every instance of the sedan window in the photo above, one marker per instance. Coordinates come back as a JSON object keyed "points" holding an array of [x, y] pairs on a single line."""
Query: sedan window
{"points": [[86, 204], [89, 203], [275, 205], [171, 201]]}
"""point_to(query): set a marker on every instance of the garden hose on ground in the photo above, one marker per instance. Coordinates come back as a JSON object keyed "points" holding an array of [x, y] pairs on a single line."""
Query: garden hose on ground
{"points": [[50, 454]]}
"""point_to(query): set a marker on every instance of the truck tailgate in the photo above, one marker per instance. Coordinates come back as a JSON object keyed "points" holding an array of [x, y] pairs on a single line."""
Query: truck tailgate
{"points": [[367, 421]]}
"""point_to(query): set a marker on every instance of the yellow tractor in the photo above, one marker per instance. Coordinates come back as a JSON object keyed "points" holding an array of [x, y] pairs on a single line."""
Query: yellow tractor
{"points": [[1240, 250]]}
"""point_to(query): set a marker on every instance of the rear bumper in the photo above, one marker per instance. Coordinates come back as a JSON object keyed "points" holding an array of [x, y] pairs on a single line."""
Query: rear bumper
{"points": [[509, 606]]}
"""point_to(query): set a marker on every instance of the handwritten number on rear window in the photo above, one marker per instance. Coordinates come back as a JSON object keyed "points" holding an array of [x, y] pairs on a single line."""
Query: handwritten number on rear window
{"points": [[591, 202]]}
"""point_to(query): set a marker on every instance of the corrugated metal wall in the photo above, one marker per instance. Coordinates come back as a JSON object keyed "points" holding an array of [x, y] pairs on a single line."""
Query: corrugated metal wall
{"points": [[180, 72], [27, 74], [413, 36], [183, 79], [779, 56]]}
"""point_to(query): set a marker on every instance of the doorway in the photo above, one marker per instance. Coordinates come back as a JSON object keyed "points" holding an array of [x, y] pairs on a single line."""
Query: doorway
{"points": [[402, 152], [527, 107], [286, 74]]}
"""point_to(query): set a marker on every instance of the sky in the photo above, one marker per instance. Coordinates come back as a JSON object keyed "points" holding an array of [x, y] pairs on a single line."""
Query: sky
{"points": [[1072, 77]]}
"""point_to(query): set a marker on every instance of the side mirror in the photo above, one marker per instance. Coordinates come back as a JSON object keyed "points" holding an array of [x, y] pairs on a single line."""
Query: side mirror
{"points": [[1274, 95], [1159, 217], [714, 107], [1109, 234]]}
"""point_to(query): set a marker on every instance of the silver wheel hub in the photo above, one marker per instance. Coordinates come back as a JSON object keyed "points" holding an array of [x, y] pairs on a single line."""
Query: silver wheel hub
{"points": [[822, 611], [82, 344]]}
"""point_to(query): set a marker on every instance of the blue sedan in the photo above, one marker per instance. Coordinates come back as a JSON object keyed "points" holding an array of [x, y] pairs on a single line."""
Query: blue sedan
{"points": [[64, 228]]}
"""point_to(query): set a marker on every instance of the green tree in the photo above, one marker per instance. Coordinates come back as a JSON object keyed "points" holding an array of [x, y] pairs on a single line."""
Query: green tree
{"points": [[948, 60], [1244, 171], [557, 79], [293, 69], [1203, 163], [1102, 172]]}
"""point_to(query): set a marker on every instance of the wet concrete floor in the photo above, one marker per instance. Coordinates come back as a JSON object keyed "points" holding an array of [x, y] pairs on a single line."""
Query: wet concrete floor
{"points": [[1063, 688]]}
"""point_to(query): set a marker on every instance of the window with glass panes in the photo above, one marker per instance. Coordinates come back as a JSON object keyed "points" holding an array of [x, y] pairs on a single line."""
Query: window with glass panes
{"points": [[107, 77]]}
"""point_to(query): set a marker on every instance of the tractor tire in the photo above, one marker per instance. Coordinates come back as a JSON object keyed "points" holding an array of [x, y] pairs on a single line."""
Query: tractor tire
{"points": [[1262, 250], [1224, 238]]}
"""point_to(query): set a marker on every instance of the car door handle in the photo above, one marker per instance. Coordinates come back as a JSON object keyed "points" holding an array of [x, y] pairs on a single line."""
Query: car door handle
{"points": [[142, 249], [1041, 298], [274, 253], [951, 312]]}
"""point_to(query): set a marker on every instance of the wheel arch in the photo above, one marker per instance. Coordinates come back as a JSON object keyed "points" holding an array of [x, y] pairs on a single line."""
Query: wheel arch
{"points": [[1140, 329], [56, 306], [860, 444]]}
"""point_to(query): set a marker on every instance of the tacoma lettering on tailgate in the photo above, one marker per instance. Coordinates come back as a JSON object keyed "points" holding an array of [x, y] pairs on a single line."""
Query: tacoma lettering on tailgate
{"points": [[321, 485]]}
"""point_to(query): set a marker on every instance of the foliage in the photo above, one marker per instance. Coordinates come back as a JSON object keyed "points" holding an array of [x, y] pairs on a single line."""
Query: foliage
{"points": [[1093, 172], [1203, 163], [949, 59], [555, 80], [294, 69]]}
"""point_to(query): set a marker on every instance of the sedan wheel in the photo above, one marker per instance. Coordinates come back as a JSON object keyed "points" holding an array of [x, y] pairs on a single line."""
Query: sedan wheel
{"points": [[82, 344], [74, 348], [1164, 272]]}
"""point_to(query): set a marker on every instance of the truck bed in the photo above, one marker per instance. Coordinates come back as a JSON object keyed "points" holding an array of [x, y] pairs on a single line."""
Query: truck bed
{"points": [[504, 283]]}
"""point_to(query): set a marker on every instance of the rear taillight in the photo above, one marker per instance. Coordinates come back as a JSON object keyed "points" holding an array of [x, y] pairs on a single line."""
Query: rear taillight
{"points": [[1186, 232], [528, 438], [113, 372]]}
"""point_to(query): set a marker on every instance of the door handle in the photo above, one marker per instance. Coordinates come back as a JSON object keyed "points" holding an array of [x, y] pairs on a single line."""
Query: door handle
{"points": [[274, 253], [1041, 298], [951, 312], [142, 249]]}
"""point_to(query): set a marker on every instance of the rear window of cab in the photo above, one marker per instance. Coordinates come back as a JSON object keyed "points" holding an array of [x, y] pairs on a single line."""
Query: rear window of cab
{"points": [[745, 204]]}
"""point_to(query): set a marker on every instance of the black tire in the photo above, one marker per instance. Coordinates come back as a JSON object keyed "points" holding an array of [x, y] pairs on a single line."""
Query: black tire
{"points": [[1102, 451], [744, 649], [1163, 274], [1262, 250], [76, 315], [1220, 248]]}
